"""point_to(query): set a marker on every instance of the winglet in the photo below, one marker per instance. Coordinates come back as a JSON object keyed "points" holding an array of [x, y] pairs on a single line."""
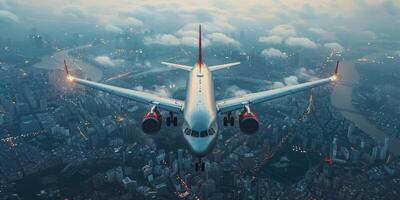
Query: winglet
{"points": [[200, 61], [66, 67], [336, 68]]}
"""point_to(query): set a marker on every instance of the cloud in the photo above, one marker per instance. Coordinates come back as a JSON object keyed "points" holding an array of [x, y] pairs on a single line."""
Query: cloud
{"points": [[283, 30], [306, 74], [234, 90], [273, 39], [334, 46], [291, 80], [112, 28], [7, 16], [74, 11], [107, 61], [368, 35], [160, 90], [277, 84], [397, 53], [188, 38], [272, 52], [222, 39], [301, 42], [131, 21], [162, 39]]}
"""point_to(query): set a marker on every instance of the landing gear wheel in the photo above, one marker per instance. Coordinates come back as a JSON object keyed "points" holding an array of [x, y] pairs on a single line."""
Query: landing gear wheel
{"points": [[175, 121], [225, 121], [197, 167], [168, 121], [232, 121]]}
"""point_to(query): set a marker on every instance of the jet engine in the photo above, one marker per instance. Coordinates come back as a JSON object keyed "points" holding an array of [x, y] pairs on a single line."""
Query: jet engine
{"points": [[152, 122], [248, 122]]}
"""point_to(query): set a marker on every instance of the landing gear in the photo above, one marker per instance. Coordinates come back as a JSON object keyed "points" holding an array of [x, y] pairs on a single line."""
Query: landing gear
{"points": [[229, 120], [172, 120], [200, 166]]}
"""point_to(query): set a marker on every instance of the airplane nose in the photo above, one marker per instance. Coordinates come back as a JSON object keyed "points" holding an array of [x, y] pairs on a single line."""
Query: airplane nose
{"points": [[199, 146]]}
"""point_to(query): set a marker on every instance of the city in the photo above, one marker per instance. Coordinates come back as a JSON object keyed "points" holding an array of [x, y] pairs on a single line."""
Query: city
{"points": [[62, 141]]}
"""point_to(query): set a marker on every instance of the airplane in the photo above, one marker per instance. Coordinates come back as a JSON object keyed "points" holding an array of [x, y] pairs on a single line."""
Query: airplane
{"points": [[200, 109]]}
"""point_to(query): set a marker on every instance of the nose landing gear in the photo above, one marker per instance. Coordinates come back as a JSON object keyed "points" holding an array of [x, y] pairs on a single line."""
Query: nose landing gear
{"points": [[172, 120], [229, 120], [200, 166]]}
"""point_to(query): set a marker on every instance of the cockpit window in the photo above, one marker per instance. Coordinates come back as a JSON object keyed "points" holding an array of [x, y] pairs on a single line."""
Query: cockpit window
{"points": [[203, 134], [195, 133], [188, 131], [211, 131]]}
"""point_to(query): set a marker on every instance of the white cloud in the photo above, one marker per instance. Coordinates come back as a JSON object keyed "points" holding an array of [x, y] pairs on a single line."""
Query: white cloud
{"points": [[112, 28], [222, 39], [162, 39], [318, 31], [277, 84], [131, 21], [272, 52], [334, 46], [107, 61], [161, 90], [283, 30], [8, 16], [306, 74], [397, 53], [291, 80], [273, 39], [236, 91], [301, 42]]}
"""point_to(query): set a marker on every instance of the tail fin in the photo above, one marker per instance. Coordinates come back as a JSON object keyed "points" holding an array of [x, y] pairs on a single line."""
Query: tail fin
{"points": [[200, 61], [336, 68], [66, 67]]}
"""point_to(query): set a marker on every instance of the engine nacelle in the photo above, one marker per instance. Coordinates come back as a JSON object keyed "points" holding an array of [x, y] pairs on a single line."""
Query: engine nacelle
{"points": [[152, 122], [248, 122]]}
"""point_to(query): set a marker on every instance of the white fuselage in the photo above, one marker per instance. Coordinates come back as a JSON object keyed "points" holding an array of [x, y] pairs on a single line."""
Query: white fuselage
{"points": [[200, 126]]}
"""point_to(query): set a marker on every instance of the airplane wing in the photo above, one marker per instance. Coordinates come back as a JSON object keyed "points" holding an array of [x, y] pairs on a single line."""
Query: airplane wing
{"points": [[165, 103], [235, 103], [179, 66], [217, 67]]}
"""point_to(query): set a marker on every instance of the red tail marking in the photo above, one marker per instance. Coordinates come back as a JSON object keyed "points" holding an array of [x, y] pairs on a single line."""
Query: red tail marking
{"points": [[200, 61], [66, 67], [337, 67]]}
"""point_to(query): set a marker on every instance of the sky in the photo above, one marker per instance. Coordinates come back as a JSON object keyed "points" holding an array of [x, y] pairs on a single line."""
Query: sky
{"points": [[297, 23]]}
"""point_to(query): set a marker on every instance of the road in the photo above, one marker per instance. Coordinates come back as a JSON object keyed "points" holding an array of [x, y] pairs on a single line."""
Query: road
{"points": [[341, 98]]}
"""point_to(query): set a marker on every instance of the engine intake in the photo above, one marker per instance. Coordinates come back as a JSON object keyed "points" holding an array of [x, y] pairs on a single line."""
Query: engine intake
{"points": [[248, 122], [152, 122]]}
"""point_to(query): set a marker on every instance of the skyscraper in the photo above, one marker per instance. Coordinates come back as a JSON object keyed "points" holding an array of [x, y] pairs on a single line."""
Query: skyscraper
{"points": [[384, 149]]}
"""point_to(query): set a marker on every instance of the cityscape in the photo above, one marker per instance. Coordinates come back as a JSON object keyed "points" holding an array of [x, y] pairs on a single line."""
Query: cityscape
{"points": [[59, 140]]}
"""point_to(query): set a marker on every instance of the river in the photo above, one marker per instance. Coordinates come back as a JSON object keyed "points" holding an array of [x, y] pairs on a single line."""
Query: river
{"points": [[341, 98]]}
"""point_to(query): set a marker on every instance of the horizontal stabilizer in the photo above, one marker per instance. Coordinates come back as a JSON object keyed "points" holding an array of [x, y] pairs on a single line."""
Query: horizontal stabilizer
{"points": [[217, 67], [179, 66]]}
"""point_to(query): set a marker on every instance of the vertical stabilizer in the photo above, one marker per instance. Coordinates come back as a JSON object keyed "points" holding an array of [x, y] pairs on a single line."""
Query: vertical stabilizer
{"points": [[200, 61]]}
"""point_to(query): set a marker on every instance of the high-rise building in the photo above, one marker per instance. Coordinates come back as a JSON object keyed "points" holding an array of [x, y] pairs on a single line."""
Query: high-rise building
{"points": [[334, 148], [350, 131], [384, 149], [374, 154]]}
